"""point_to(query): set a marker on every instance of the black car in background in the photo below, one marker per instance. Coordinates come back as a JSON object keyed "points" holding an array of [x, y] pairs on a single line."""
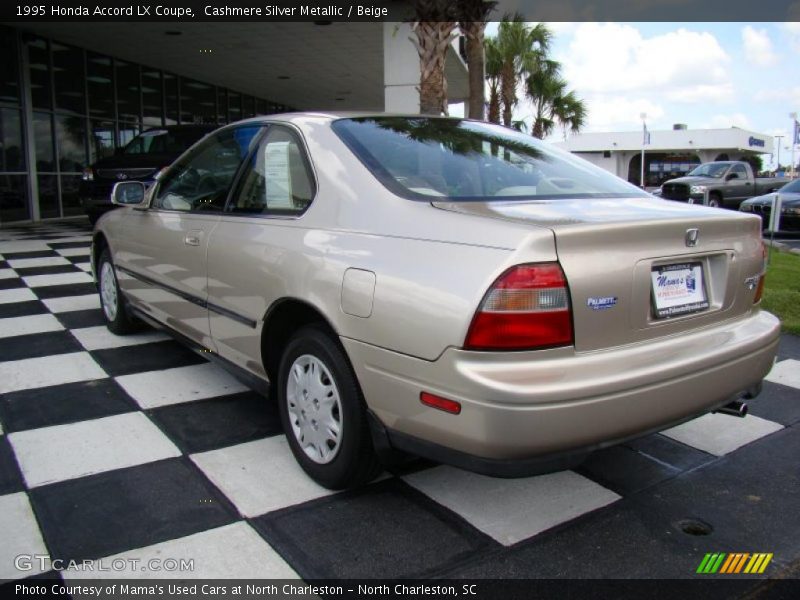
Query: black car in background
{"points": [[790, 206], [140, 160]]}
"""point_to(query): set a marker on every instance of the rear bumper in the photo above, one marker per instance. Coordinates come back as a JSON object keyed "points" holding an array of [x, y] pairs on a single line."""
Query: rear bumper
{"points": [[557, 404]]}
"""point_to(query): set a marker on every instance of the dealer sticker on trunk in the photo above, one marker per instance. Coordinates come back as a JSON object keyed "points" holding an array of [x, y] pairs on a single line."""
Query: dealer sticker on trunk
{"points": [[678, 289]]}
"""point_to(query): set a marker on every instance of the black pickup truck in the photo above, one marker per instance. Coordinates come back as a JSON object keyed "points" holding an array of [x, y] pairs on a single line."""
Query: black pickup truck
{"points": [[728, 183]]}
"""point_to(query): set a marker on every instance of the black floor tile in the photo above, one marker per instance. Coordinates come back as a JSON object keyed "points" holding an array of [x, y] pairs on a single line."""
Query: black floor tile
{"points": [[156, 356], [33, 254], [219, 422], [776, 402], [61, 245], [11, 283], [60, 291], [53, 270], [22, 309], [377, 531], [129, 508], [624, 470], [675, 454], [78, 319], [38, 344], [10, 477], [4, 264], [83, 258], [60, 404]]}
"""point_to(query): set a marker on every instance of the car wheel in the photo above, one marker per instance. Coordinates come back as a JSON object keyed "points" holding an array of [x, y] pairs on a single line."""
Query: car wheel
{"points": [[323, 412], [118, 319], [714, 201]]}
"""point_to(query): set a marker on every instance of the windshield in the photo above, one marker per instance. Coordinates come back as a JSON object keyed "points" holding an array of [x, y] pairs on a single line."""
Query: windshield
{"points": [[164, 141], [715, 170], [425, 158], [791, 188]]}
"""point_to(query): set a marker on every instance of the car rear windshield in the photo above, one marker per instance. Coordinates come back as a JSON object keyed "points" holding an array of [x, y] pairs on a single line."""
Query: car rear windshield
{"points": [[164, 141], [429, 158]]}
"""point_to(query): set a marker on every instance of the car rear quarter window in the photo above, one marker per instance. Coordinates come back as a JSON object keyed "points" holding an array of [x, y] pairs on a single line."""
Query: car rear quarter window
{"points": [[429, 158]]}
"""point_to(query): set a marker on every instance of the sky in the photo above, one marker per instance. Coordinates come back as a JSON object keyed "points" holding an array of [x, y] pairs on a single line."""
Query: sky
{"points": [[706, 75]]}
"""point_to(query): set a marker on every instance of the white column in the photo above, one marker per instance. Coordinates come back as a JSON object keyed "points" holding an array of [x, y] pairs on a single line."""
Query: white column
{"points": [[400, 69]]}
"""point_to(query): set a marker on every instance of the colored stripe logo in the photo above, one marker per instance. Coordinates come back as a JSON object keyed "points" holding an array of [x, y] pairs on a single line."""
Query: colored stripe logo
{"points": [[734, 562]]}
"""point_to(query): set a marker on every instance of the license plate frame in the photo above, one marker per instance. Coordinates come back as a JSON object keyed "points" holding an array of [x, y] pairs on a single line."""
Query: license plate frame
{"points": [[678, 289]]}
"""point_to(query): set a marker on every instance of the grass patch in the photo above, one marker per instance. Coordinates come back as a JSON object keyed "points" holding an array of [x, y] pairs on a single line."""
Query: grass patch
{"points": [[782, 289]]}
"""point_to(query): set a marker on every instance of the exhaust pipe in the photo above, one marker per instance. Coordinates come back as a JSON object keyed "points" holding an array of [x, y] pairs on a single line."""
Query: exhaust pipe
{"points": [[737, 408]]}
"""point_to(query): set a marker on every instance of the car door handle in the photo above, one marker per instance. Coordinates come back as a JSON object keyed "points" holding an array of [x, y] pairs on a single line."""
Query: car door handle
{"points": [[193, 238]]}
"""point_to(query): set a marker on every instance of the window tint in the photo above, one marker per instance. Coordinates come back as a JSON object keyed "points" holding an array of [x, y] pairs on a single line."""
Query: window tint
{"points": [[425, 158], [164, 141], [278, 180], [740, 171], [200, 180]]}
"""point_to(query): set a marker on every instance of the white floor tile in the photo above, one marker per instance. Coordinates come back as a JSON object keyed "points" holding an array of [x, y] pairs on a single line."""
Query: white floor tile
{"points": [[98, 338], [48, 370], [23, 246], [511, 510], [85, 267], [7, 273], [70, 239], [70, 303], [26, 325], [786, 372], [231, 552], [57, 279], [84, 250], [183, 384], [16, 295], [44, 261], [259, 477], [21, 535], [64, 452], [720, 434]]}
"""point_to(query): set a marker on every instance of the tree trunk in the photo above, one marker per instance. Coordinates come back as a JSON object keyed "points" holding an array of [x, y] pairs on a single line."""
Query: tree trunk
{"points": [[473, 31], [432, 41], [507, 84], [494, 105]]}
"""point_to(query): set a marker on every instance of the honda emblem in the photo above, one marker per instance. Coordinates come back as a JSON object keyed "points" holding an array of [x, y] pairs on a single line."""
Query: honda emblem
{"points": [[692, 236]]}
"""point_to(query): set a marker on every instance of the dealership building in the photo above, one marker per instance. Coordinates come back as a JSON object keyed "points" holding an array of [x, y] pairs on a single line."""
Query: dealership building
{"points": [[670, 153], [71, 93]]}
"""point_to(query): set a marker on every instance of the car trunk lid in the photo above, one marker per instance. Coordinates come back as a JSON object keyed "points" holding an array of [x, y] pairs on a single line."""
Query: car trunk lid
{"points": [[609, 249]]}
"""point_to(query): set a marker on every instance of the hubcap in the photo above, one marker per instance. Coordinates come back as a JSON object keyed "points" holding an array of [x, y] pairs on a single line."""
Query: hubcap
{"points": [[108, 291], [315, 410]]}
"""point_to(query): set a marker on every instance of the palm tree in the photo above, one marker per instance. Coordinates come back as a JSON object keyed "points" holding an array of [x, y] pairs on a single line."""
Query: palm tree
{"points": [[521, 49], [472, 23], [552, 104], [433, 24], [494, 64]]}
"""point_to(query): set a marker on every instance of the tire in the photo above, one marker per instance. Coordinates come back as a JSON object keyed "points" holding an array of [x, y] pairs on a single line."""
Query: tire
{"points": [[117, 317], [323, 412], [715, 201]]}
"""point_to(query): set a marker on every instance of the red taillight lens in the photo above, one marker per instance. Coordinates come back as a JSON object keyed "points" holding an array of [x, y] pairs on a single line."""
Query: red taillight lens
{"points": [[526, 308], [444, 404]]}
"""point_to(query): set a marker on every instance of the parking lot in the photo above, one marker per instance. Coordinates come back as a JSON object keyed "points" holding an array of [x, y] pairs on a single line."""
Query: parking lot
{"points": [[138, 448]]}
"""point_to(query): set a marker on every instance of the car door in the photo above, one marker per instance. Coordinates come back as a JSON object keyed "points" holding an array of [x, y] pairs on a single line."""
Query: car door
{"points": [[740, 187], [257, 252], [163, 258]]}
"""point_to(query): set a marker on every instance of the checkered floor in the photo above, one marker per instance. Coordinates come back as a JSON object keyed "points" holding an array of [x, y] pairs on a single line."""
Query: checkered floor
{"points": [[136, 447]]}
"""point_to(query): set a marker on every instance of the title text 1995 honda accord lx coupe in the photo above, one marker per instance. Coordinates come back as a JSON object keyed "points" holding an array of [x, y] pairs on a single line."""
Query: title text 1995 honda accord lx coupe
{"points": [[441, 287]]}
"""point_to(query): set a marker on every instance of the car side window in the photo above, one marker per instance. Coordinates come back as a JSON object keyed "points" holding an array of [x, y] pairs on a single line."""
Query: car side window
{"points": [[278, 179], [740, 171], [200, 180]]}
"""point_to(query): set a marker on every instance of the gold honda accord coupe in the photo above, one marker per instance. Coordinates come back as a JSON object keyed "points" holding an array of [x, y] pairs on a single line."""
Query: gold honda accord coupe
{"points": [[438, 287]]}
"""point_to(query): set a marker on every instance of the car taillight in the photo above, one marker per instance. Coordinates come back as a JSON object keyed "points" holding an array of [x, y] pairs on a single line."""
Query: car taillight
{"points": [[760, 287], [526, 308]]}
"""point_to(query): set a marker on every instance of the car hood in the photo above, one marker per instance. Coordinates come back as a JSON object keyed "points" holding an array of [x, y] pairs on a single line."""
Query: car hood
{"points": [[792, 199], [694, 180]]}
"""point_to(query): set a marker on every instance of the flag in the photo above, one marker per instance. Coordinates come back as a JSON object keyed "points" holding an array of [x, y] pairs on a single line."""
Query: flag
{"points": [[645, 135], [796, 132]]}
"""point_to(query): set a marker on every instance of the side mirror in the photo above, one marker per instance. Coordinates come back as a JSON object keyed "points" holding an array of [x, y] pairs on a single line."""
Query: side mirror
{"points": [[128, 193]]}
